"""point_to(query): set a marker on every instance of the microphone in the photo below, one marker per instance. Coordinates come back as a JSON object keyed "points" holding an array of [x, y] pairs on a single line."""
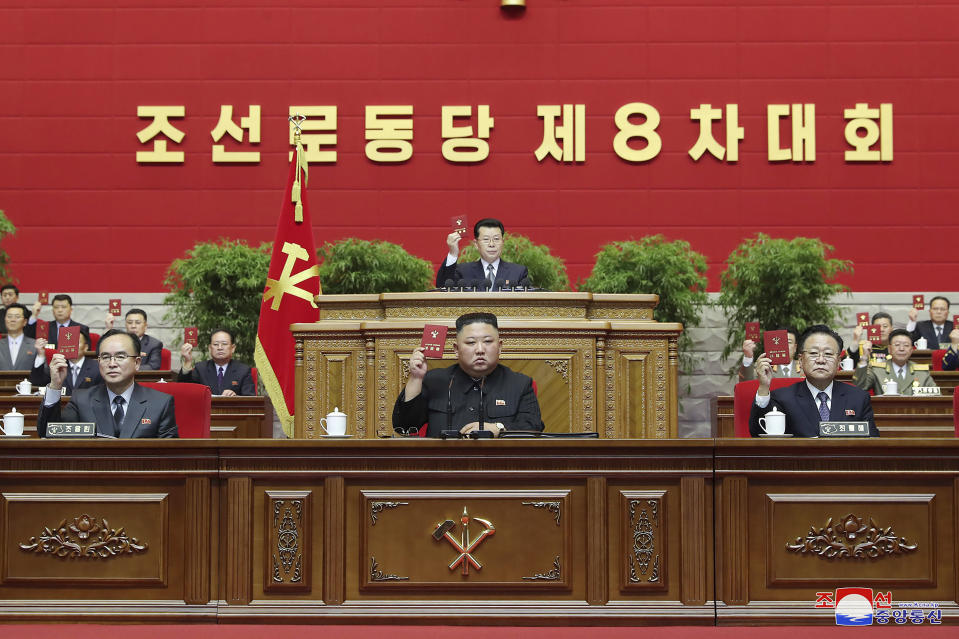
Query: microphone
{"points": [[480, 433], [487, 284], [478, 284], [448, 284], [461, 284]]}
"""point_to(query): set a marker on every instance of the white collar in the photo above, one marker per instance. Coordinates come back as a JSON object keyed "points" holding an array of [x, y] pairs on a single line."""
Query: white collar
{"points": [[815, 391]]}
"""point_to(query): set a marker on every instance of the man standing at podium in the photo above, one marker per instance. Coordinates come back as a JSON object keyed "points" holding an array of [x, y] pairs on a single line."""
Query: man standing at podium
{"points": [[488, 237], [448, 399]]}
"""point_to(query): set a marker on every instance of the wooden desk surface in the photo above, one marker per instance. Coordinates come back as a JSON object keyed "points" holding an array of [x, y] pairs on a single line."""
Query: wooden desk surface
{"points": [[230, 417], [590, 531], [895, 416]]}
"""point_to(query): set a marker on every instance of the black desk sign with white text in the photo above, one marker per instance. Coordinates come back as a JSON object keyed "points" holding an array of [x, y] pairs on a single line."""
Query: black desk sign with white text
{"points": [[844, 429]]}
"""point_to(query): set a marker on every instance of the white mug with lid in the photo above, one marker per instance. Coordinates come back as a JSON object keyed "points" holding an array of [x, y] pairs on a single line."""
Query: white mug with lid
{"points": [[890, 387], [24, 387], [334, 423], [774, 423], [12, 424], [922, 344]]}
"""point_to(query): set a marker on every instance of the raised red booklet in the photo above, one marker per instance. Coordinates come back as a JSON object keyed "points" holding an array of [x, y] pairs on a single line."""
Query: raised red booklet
{"points": [[918, 302], [43, 297], [458, 222], [752, 331], [434, 341], [68, 342], [862, 319], [777, 347], [43, 329], [115, 307], [874, 333], [191, 335]]}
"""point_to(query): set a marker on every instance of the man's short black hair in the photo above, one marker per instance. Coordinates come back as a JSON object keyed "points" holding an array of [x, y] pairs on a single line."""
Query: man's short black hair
{"points": [[23, 308], [817, 329], [476, 318], [134, 340], [937, 297], [222, 330], [86, 335], [900, 331], [488, 221], [16, 291], [137, 311], [63, 297], [880, 315]]}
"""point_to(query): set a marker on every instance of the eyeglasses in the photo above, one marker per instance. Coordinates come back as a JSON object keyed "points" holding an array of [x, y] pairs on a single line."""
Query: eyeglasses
{"points": [[827, 356], [119, 358], [491, 241]]}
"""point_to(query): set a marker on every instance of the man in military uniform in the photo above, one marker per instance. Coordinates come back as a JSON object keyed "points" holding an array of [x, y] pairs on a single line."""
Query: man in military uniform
{"points": [[863, 351], [950, 362], [896, 367], [793, 369]]}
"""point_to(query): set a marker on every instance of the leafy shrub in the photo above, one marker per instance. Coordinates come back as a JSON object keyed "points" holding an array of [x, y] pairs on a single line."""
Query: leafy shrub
{"points": [[779, 282], [671, 270], [219, 284], [360, 266]]}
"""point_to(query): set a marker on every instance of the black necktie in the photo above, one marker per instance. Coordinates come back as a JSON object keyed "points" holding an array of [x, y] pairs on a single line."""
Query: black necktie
{"points": [[938, 334], [219, 379], [490, 275], [823, 406], [118, 412]]}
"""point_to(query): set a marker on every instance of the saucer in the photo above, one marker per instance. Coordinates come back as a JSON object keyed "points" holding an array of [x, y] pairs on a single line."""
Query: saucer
{"points": [[336, 436], [768, 435], [890, 395]]}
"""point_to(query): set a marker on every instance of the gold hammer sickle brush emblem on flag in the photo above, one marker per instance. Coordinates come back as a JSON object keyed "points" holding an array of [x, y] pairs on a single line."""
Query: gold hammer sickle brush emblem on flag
{"points": [[464, 545], [287, 284]]}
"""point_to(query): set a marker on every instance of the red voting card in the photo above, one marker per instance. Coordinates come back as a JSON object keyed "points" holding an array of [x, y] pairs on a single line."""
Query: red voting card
{"points": [[43, 329], [434, 340], [458, 222], [862, 319], [777, 347], [874, 332], [918, 302], [191, 335], [43, 297], [68, 342], [115, 307], [752, 331], [955, 321]]}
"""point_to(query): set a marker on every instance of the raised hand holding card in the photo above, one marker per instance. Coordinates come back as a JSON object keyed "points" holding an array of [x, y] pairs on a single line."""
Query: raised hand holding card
{"points": [[434, 341]]}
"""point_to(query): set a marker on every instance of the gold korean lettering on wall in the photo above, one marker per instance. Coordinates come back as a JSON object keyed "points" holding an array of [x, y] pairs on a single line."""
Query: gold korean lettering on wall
{"points": [[571, 132], [389, 131], [459, 145], [160, 126], [318, 132], [466, 133], [803, 119], [863, 118], [226, 126], [706, 142]]}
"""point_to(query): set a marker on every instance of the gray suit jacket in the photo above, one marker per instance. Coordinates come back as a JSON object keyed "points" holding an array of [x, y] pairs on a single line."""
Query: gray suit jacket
{"points": [[151, 348], [150, 413], [25, 358]]}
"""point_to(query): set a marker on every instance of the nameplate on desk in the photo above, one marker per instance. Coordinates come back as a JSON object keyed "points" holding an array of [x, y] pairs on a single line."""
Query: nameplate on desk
{"points": [[928, 391], [844, 429], [72, 430]]}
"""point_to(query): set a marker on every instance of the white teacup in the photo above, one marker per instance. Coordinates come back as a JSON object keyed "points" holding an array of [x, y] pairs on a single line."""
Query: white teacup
{"points": [[24, 387], [334, 423], [12, 424], [774, 423], [846, 363], [890, 387]]}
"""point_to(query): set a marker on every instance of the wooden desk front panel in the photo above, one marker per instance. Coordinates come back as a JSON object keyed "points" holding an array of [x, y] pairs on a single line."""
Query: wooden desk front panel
{"points": [[110, 523], [804, 517], [895, 416]]}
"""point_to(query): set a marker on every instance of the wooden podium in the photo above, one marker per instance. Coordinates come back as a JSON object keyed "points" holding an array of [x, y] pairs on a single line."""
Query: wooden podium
{"points": [[600, 362]]}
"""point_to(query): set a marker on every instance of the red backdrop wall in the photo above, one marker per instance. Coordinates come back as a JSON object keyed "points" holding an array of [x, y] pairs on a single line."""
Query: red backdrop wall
{"points": [[74, 71]]}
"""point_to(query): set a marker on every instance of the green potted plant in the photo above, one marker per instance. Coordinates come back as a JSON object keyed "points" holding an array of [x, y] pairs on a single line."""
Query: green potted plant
{"points": [[652, 264], [6, 228], [546, 271], [353, 265], [779, 282], [219, 284]]}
